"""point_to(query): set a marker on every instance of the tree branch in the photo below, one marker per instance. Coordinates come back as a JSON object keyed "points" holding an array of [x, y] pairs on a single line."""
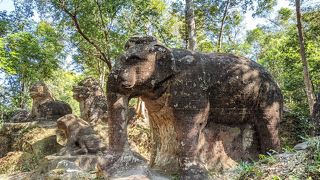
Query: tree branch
{"points": [[222, 25], [73, 16], [102, 22]]}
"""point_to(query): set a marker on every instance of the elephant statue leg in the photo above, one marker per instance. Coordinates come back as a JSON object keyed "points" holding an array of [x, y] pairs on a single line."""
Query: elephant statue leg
{"points": [[188, 125], [117, 122], [268, 118]]}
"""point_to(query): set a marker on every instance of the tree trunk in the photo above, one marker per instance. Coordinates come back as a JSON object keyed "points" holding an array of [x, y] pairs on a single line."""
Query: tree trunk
{"points": [[102, 76], [191, 25], [140, 109], [306, 75], [222, 25], [22, 103]]}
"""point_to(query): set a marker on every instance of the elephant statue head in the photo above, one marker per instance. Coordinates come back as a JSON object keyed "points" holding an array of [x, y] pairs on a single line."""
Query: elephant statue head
{"points": [[142, 70]]}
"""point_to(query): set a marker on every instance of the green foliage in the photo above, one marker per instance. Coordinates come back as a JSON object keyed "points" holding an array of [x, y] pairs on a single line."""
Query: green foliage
{"points": [[288, 149], [27, 55], [175, 177], [97, 30], [276, 48], [276, 178], [285, 14], [249, 171], [313, 168], [267, 159]]}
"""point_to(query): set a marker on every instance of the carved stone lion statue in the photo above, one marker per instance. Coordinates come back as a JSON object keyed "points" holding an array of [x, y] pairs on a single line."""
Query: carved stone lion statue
{"points": [[93, 103], [195, 102], [44, 106], [77, 136]]}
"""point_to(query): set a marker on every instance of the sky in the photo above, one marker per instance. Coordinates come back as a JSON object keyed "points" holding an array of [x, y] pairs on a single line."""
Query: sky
{"points": [[249, 22], [6, 5]]}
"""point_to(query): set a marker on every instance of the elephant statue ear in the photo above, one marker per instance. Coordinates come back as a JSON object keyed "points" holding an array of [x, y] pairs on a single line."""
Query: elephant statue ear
{"points": [[162, 52], [164, 55]]}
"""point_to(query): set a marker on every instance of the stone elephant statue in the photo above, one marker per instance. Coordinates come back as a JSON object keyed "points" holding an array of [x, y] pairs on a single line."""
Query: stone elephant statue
{"points": [[185, 91]]}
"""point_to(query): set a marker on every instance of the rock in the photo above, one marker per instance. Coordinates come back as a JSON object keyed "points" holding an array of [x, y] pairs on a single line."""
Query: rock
{"points": [[53, 110], [28, 144], [133, 177], [63, 174], [17, 161], [20, 176], [128, 165], [284, 166], [85, 163], [20, 116], [39, 141], [301, 146], [67, 165], [5, 145]]}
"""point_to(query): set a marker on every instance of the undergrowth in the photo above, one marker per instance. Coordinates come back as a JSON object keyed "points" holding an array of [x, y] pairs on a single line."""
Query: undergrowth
{"points": [[313, 168]]}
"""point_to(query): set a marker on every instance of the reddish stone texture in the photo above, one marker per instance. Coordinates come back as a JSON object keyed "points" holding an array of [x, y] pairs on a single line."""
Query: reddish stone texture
{"points": [[200, 105]]}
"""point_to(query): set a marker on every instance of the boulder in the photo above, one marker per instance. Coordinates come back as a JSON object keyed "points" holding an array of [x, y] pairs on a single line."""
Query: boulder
{"points": [[24, 145], [20, 116], [53, 110]]}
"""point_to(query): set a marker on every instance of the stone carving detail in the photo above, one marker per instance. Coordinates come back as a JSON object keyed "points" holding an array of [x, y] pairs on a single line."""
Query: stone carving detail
{"points": [[199, 104], [93, 103], [77, 136]]}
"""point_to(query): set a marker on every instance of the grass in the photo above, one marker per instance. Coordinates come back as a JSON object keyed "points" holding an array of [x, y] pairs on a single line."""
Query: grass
{"points": [[249, 171], [288, 149], [268, 159]]}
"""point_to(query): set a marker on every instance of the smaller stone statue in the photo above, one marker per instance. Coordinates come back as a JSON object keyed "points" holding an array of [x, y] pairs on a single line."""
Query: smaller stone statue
{"points": [[93, 102], [77, 136], [44, 106]]}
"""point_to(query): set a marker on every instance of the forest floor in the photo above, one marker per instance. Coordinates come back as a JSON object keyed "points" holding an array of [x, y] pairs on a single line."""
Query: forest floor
{"points": [[32, 143]]}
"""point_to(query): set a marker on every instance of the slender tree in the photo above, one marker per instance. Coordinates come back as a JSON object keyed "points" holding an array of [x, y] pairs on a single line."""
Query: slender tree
{"points": [[306, 75], [225, 13], [191, 25]]}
